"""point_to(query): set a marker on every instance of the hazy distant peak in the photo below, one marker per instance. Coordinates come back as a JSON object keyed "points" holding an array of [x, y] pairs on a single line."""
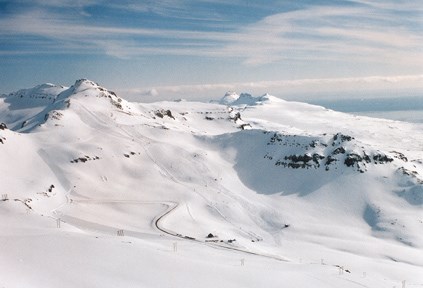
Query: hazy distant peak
{"points": [[229, 98], [42, 91], [44, 86], [232, 98], [29, 98]]}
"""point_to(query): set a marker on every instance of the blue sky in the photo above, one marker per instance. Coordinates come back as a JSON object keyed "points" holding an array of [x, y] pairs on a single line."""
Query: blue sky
{"points": [[192, 49]]}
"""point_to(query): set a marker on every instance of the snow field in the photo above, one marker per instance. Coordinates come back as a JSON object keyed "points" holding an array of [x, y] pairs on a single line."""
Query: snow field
{"points": [[132, 179]]}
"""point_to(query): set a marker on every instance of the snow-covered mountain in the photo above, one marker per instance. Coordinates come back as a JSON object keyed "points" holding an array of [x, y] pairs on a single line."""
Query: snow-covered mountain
{"points": [[247, 192]]}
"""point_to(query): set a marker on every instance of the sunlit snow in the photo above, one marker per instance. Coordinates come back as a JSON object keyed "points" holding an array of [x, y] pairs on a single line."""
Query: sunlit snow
{"points": [[245, 192]]}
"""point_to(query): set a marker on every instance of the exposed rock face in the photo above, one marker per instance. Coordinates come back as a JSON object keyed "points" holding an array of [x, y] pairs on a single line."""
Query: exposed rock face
{"points": [[162, 113], [301, 161], [325, 151]]}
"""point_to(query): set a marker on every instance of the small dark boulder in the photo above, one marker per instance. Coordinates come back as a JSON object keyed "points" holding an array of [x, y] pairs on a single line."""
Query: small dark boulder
{"points": [[236, 117], [330, 160], [244, 126], [339, 150], [352, 158], [382, 158], [83, 160], [342, 137]]}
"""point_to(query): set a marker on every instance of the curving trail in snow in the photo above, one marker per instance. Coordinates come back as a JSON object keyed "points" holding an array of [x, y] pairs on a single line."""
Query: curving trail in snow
{"points": [[156, 223], [83, 224]]}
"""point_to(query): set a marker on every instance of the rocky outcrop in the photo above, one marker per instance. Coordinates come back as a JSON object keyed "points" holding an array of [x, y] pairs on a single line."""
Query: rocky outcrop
{"points": [[301, 161], [328, 152], [162, 113], [84, 159]]}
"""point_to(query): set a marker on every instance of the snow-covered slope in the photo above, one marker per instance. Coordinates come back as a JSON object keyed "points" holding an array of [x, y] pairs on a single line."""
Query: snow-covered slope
{"points": [[17, 107], [251, 192]]}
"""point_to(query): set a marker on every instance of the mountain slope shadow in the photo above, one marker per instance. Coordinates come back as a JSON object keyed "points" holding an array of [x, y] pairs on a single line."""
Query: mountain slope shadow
{"points": [[249, 150]]}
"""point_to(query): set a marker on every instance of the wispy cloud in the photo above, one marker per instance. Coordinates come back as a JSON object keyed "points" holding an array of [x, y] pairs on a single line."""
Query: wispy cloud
{"points": [[59, 3], [399, 5], [320, 33], [112, 40], [173, 9], [360, 31]]}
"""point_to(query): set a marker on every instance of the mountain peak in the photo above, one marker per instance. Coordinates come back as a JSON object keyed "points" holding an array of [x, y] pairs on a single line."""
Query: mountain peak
{"points": [[30, 107], [232, 98], [88, 88], [83, 84], [229, 98]]}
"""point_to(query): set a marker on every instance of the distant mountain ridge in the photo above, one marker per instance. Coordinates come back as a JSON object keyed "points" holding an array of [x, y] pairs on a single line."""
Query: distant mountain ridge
{"points": [[232, 98]]}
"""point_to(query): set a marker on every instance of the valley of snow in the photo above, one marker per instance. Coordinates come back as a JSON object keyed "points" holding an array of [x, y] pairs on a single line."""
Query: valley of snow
{"points": [[245, 192]]}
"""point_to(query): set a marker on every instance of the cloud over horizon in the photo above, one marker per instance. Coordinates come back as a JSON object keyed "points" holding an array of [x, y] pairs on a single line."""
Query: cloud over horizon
{"points": [[303, 89]]}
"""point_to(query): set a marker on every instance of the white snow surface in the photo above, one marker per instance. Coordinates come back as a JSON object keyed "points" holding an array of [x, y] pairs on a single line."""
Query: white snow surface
{"points": [[100, 192]]}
